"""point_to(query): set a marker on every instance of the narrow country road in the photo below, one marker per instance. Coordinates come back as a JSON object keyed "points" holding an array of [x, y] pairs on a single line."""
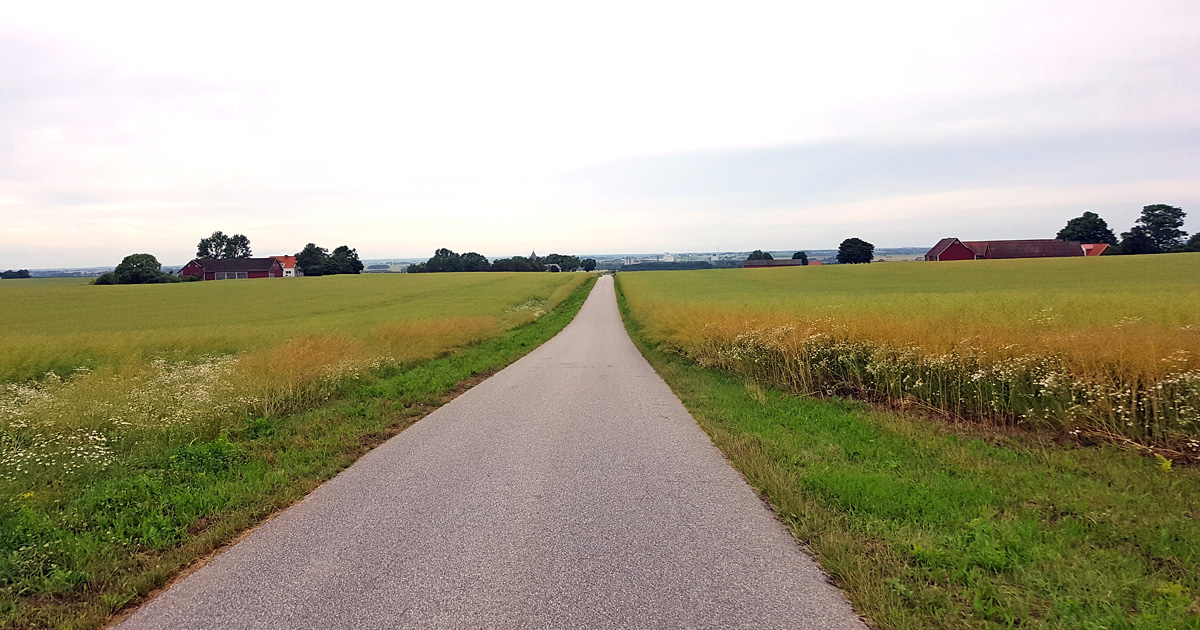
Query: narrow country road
{"points": [[571, 490]]}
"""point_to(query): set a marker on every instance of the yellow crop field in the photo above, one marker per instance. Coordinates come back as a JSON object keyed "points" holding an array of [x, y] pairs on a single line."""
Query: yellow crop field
{"points": [[1106, 345], [80, 364]]}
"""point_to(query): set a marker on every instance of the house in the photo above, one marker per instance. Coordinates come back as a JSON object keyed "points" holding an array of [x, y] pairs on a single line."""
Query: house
{"points": [[233, 268], [954, 249], [289, 266], [786, 262]]}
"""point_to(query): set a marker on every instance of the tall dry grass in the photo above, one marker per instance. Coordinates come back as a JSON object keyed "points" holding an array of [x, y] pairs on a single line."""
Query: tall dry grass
{"points": [[1115, 351]]}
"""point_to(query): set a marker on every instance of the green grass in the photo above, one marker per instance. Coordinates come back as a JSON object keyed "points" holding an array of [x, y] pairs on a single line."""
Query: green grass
{"points": [[80, 547], [926, 524]]}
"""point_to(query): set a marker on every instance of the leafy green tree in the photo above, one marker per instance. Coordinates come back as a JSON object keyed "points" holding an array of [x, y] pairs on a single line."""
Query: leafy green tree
{"points": [[854, 251], [1138, 241], [802, 257], [517, 263], [1193, 244], [588, 264], [759, 254], [311, 260], [221, 245], [564, 262], [1087, 228], [13, 275], [474, 261], [138, 269], [1162, 223], [343, 260], [444, 260]]}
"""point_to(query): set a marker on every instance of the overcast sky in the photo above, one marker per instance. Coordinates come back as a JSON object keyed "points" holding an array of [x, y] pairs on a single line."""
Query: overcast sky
{"points": [[503, 127]]}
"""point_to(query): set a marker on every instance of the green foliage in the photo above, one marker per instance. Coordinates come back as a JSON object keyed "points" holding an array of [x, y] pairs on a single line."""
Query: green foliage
{"points": [[517, 263], [1138, 241], [138, 269], [802, 257], [318, 261], [220, 245], [1162, 225], [588, 264], [1193, 244], [1087, 228], [759, 254], [13, 275], [854, 251], [930, 525]]}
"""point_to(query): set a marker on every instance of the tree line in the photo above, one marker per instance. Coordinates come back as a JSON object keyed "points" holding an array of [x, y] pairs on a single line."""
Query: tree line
{"points": [[13, 275], [447, 260], [1158, 230], [851, 251]]}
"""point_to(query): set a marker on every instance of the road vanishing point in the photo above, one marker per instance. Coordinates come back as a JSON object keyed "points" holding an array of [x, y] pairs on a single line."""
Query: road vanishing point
{"points": [[570, 490]]}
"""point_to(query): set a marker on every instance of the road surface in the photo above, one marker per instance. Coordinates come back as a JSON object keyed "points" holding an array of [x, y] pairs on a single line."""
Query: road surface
{"points": [[571, 490]]}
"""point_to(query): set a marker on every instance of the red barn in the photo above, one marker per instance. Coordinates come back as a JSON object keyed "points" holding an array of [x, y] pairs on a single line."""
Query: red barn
{"points": [[233, 268], [950, 249]]}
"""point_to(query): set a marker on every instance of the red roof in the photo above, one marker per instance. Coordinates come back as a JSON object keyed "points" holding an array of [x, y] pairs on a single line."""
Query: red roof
{"points": [[1029, 248], [288, 262]]}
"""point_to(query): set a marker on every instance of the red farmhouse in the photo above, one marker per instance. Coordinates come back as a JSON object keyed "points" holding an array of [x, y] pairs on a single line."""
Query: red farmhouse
{"points": [[954, 249], [233, 268]]}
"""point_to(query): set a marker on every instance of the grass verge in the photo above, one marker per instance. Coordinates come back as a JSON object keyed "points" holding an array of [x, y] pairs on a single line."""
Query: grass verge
{"points": [[71, 557], [926, 524]]}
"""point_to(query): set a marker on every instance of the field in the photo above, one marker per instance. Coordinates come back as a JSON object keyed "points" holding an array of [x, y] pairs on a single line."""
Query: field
{"points": [[143, 426], [1107, 346], [928, 509]]}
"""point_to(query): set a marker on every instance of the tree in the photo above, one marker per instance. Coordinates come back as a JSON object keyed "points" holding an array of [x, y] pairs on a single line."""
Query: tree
{"points": [[853, 251], [219, 245], [1162, 223], [343, 260], [1193, 244], [802, 257], [311, 260], [1087, 228], [588, 264], [564, 262], [13, 275], [517, 263], [474, 261], [138, 269], [759, 254], [1138, 241]]}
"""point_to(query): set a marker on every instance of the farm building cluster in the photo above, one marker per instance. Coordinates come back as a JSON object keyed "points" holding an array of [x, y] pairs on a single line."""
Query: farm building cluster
{"points": [[954, 249], [241, 268]]}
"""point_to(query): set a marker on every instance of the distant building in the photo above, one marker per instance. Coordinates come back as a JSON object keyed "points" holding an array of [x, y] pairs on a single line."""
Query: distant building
{"points": [[289, 266], [668, 258], [233, 268], [954, 249]]}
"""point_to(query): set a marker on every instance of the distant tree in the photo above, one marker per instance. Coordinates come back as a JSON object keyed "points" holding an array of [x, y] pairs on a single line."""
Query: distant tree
{"points": [[1193, 244], [759, 254], [588, 264], [473, 261], [854, 251], [416, 268], [444, 260], [238, 246], [342, 260], [311, 260], [1087, 228], [1138, 241], [801, 256], [517, 263], [139, 269], [13, 275], [1162, 223], [220, 245], [564, 262]]}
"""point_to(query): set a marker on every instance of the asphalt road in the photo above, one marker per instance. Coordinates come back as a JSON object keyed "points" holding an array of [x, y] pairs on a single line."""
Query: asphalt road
{"points": [[571, 490]]}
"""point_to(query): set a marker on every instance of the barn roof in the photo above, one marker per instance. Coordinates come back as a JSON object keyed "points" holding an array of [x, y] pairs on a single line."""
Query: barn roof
{"points": [[236, 264], [941, 247], [1030, 248], [287, 261]]}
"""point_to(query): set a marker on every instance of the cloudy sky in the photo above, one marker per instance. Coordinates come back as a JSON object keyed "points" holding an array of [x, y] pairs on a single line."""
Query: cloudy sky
{"points": [[644, 126]]}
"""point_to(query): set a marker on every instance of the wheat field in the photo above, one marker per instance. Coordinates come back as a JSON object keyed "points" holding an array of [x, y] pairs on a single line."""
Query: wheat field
{"points": [[1107, 344]]}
